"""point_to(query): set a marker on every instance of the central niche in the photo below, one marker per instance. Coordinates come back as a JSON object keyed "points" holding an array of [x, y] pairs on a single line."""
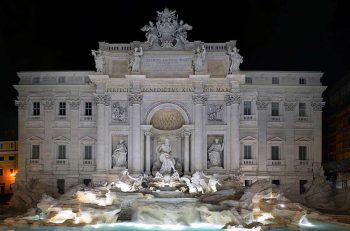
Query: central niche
{"points": [[167, 119]]}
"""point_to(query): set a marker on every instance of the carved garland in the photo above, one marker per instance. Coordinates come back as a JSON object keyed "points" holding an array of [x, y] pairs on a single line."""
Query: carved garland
{"points": [[317, 106], [74, 104], [48, 104], [261, 105], [21, 104], [289, 106]]}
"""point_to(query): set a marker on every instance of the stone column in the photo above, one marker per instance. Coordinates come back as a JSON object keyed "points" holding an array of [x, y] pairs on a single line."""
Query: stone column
{"points": [[75, 158], [261, 106], [107, 155], [46, 155], [100, 160], [199, 100], [135, 100], [289, 153], [233, 100], [22, 147], [186, 134], [317, 131], [148, 151]]}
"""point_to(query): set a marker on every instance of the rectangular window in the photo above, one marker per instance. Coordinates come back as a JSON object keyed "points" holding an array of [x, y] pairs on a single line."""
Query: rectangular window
{"points": [[1, 146], [1, 172], [247, 152], [247, 108], [11, 170], [36, 151], [36, 108], [275, 109], [248, 80], [275, 153], [2, 158], [62, 109], [302, 109], [275, 80], [88, 152], [12, 158], [61, 152], [302, 81], [302, 153], [88, 109]]}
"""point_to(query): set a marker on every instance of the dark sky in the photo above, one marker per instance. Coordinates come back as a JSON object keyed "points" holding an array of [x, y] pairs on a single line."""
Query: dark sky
{"points": [[291, 35]]}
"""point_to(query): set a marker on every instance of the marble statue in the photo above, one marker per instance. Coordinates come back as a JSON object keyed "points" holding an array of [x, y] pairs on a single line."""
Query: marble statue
{"points": [[198, 59], [99, 61], [168, 163], [168, 32], [215, 153], [119, 155], [135, 60], [151, 33], [235, 59], [181, 32], [119, 113]]}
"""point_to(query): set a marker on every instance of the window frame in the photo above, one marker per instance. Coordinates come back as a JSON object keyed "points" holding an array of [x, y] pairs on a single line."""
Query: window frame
{"points": [[36, 108]]}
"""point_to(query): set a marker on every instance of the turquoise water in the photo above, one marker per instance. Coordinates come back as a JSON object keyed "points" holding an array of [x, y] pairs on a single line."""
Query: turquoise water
{"points": [[316, 226]]}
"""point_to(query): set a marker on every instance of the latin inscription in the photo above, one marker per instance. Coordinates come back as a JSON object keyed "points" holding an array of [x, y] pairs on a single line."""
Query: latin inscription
{"points": [[165, 89]]}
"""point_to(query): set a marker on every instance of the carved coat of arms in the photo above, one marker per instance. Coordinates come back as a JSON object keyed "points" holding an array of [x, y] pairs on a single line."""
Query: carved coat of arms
{"points": [[167, 32]]}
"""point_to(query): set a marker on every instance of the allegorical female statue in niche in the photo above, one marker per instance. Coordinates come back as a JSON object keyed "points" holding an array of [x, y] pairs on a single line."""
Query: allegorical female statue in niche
{"points": [[168, 163], [215, 154], [119, 155], [135, 60]]}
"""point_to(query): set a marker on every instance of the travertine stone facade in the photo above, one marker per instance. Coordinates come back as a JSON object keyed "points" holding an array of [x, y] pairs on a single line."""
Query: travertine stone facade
{"points": [[268, 123]]}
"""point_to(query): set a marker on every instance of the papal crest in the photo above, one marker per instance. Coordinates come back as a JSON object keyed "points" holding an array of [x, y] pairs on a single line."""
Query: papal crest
{"points": [[168, 32]]}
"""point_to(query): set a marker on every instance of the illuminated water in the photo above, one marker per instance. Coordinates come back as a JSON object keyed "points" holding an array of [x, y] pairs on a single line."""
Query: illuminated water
{"points": [[316, 226]]}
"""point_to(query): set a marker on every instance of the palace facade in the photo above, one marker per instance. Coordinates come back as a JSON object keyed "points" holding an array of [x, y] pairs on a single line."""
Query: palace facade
{"points": [[82, 126]]}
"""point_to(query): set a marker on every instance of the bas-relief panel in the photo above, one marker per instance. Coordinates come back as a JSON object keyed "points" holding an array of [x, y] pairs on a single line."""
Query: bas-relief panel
{"points": [[215, 151], [119, 112], [215, 113], [216, 67]]}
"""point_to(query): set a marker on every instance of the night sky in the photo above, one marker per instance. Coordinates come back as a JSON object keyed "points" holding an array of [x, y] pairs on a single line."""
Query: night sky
{"points": [[309, 35]]}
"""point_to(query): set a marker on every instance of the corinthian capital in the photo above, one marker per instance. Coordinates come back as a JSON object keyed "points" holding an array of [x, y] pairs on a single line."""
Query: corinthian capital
{"points": [[135, 98], [233, 98], [100, 99], [199, 98]]}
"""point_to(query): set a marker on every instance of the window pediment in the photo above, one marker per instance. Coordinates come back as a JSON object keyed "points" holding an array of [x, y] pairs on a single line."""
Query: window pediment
{"points": [[61, 139], [248, 139], [34, 139], [303, 140], [275, 140], [87, 140]]}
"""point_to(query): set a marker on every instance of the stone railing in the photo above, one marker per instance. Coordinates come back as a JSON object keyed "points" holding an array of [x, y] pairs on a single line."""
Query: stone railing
{"points": [[61, 161], [302, 119], [115, 47], [61, 117], [88, 162], [215, 47], [34, 161], [248, 161], [87, 118], [248, 117], [302, 162], [35, 117], [275, 162], [275, 118]]}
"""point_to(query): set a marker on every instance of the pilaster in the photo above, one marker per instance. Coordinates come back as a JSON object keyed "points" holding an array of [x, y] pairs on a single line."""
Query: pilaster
{"points": [[290, 149], [261, 105]]}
